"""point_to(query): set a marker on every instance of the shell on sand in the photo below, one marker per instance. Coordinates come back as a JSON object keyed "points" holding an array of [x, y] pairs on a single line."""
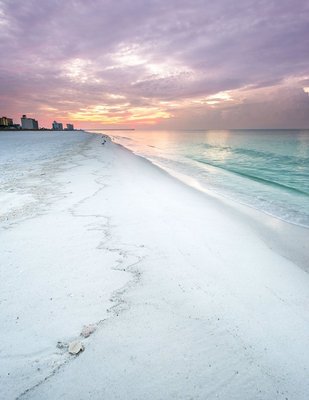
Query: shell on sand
{"points": [[76, 347], [88, 330]]}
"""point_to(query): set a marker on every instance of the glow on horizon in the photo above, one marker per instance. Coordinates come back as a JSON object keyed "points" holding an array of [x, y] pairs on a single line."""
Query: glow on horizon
{"points": [[121, 113], [124, 114]]}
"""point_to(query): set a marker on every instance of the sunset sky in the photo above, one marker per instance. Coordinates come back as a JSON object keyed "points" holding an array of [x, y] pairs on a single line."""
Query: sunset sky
{"points": [[156, 63]]}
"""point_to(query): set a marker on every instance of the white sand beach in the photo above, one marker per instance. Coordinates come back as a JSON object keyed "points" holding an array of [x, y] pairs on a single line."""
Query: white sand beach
{"points": [[188, 296]]}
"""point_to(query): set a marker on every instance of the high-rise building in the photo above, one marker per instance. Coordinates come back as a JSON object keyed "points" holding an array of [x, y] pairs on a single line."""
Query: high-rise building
{"points": [[29, 123], [70, 127], [57, 126], [4, 121]]}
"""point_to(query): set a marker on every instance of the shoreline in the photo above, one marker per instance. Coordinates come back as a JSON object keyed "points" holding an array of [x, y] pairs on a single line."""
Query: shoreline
{"points": [[289, 239], [187, 299]]}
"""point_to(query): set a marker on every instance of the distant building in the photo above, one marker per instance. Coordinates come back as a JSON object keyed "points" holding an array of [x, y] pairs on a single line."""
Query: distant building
{"points": [[4, 121], [57, 126], [70, 127], [29, 123]]}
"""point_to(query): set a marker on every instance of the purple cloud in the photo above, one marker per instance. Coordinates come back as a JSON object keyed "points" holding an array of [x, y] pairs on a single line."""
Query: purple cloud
{"points": [[62, 58]]}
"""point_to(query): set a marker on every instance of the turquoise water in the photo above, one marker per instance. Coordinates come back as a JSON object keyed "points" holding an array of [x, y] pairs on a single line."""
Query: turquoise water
{"points": [[264, 169]]}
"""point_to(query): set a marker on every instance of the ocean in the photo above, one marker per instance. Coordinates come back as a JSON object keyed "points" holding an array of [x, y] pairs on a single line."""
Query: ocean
{"points": [[264, 169]]}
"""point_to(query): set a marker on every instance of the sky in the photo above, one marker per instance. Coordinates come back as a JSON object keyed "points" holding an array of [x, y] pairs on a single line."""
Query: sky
{"points": [[170, 64]]}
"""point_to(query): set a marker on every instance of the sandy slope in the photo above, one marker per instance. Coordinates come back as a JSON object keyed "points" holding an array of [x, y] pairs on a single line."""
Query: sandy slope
{"points": [[190, 303]]}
